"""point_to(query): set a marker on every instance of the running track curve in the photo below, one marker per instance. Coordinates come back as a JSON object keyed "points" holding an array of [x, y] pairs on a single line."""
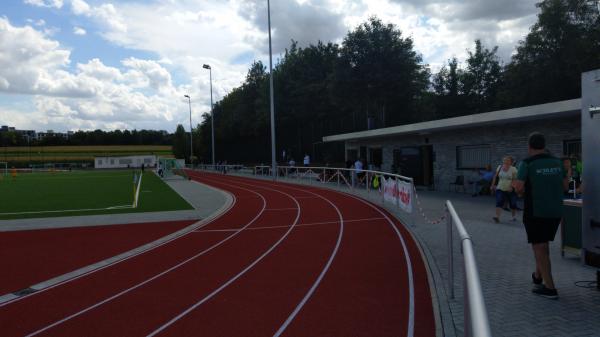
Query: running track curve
{"points": [[285, 260]]}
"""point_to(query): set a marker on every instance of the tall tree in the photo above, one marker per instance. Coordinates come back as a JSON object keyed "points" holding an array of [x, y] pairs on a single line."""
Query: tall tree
{"points": [[450, 99], [481, 78], [379, 74], [179, 143], [547, 66]]}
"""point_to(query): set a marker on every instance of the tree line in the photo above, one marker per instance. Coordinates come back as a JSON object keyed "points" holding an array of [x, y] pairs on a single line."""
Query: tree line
{"points": [[375, 78], [96, 137]]}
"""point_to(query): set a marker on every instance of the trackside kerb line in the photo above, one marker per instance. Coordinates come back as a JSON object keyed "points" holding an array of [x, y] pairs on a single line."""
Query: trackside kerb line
{"points": [[68, 210], [240, 274], [411, 286], [123, 292], [44, 289]]}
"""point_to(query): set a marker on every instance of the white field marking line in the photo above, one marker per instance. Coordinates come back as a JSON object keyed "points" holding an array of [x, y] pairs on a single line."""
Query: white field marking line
{"points": [[411, 302], [319, 278], [123, 292], [240, 274], [284, 226], [68, 210], [42, 290], [137, 192]]}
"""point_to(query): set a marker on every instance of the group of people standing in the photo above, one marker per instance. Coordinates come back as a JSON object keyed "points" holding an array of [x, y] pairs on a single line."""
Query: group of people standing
{"points": [[541, 180]]}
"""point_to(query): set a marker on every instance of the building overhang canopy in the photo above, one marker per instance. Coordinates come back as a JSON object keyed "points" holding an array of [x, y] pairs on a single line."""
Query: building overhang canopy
{"points": [[534, 112]]}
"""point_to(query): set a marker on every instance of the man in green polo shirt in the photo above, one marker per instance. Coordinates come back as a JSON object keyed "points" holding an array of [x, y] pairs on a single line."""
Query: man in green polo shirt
{"points": [[542, 180]]}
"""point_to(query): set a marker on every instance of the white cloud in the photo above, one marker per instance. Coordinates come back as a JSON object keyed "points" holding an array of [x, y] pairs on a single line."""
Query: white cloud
{"points": [[79, 31], [139, 95], [45, 3], [79, 7]]}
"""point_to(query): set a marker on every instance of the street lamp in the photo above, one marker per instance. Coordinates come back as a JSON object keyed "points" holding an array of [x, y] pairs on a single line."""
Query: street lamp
{"points": [[273, 161], [191, 130], [212, 117]]}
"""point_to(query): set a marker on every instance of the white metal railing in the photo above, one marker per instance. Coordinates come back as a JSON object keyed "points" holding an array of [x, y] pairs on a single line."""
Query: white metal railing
{"points": [[476, 319]]}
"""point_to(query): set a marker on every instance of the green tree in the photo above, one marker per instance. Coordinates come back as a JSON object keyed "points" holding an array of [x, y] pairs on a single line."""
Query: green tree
{"points": [[481, 78], [563, 43], [379, 75], [179, 143], [450, 99]]}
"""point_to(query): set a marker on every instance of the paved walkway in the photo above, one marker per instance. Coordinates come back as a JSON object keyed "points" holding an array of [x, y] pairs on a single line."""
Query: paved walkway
{"points": [[505, 263], [204, 199]]}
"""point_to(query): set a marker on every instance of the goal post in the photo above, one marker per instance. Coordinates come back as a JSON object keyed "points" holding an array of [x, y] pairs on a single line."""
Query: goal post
{"points": [[170, 168], [3, 168]]}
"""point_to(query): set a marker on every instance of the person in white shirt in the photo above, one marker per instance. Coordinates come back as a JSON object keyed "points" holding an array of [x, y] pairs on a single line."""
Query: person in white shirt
{"points": [[306, 160], [358, 166]]}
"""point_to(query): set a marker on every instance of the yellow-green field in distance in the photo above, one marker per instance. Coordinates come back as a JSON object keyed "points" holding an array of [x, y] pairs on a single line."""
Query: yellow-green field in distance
{"points": [[78, 153]]}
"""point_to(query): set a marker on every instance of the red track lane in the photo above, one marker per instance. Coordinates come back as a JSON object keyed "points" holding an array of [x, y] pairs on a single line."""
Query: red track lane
{"points": [[365, 293], [44, 308], [33, 256], [255, 280]]}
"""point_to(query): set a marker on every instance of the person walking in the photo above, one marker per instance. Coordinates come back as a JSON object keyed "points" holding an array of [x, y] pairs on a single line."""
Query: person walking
{"points": [[504, 190], [542, 180]]}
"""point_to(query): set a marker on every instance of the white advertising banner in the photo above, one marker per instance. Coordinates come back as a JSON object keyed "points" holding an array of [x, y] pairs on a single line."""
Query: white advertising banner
{"points": [[390, 190], [405, 196]]}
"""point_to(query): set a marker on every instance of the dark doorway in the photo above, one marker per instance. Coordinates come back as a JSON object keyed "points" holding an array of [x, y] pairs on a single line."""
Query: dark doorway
{"points": [[375, 157], [351, 155], [415, 162]]}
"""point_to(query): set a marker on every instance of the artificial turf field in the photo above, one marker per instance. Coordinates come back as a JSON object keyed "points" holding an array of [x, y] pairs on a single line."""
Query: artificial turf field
{"points": [[51, 194]]}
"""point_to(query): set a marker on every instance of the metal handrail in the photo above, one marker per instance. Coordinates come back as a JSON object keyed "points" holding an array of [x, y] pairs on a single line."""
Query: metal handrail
{"points": [[476, 318], [321, 168]]}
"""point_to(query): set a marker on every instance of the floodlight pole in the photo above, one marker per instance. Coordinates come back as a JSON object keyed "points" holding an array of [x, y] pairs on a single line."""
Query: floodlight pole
{"points": [[191, 130], [273, 161], [212, 117]]}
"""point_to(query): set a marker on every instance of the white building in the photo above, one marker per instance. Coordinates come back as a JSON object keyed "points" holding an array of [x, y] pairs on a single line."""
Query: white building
{"points": [[124, 162]]}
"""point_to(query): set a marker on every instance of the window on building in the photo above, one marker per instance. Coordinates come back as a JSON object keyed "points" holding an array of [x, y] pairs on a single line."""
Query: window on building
{"points": [[571, 147], [473, 156]]}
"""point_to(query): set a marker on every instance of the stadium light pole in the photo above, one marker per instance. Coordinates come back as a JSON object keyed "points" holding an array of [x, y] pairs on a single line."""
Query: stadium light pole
{"points": [[191, 130], [273, 161], [212, 117]]}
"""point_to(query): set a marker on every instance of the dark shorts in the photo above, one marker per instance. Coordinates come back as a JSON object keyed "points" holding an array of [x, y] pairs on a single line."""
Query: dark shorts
{"points": [[502, 197], [540, 230]]}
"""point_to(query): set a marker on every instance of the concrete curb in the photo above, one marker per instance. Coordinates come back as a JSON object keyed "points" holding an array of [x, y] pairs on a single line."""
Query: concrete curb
{"points": [[229, 202]]}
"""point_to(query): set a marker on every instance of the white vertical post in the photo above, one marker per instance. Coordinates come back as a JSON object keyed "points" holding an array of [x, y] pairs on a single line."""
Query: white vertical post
{"points": [[450, 254]]}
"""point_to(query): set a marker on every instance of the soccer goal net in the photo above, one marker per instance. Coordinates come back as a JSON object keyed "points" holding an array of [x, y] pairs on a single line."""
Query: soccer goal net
{"points": [[170, 168]]}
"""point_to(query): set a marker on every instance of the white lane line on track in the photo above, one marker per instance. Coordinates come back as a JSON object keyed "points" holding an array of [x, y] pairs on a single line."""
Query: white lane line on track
{"points": [[411, 313], [310, 224], [411, 287], [240, 274], [281, 209], [323, 272], [43, 287], [155, 276]]}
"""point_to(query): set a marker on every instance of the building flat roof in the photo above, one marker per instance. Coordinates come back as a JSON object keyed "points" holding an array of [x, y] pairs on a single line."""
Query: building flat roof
{"points": [[527, 113]]}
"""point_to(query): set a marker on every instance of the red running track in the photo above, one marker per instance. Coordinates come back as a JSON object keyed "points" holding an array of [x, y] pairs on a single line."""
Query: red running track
{"points": [[33, 256], [286, 260]]}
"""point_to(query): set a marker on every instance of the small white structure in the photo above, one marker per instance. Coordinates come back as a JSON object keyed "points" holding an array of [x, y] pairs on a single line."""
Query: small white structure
{"points": [[124, 162]]}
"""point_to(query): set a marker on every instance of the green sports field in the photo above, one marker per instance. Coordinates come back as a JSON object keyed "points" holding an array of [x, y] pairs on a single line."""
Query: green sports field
{"points": [[50, 194]]}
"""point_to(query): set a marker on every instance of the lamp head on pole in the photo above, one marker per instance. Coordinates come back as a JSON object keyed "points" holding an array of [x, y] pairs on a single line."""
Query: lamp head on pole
{"points": [[206, 66], [187, 96]]}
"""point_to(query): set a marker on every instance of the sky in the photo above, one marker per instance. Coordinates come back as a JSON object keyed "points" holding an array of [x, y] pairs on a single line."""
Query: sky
{"points": [[127, 64]]}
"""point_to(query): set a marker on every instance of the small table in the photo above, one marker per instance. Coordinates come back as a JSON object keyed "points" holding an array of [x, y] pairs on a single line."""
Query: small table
{"points": [[571, 227]]}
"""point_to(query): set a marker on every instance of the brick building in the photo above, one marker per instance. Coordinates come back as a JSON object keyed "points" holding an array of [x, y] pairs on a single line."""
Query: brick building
{"points": [[436, 152]]}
